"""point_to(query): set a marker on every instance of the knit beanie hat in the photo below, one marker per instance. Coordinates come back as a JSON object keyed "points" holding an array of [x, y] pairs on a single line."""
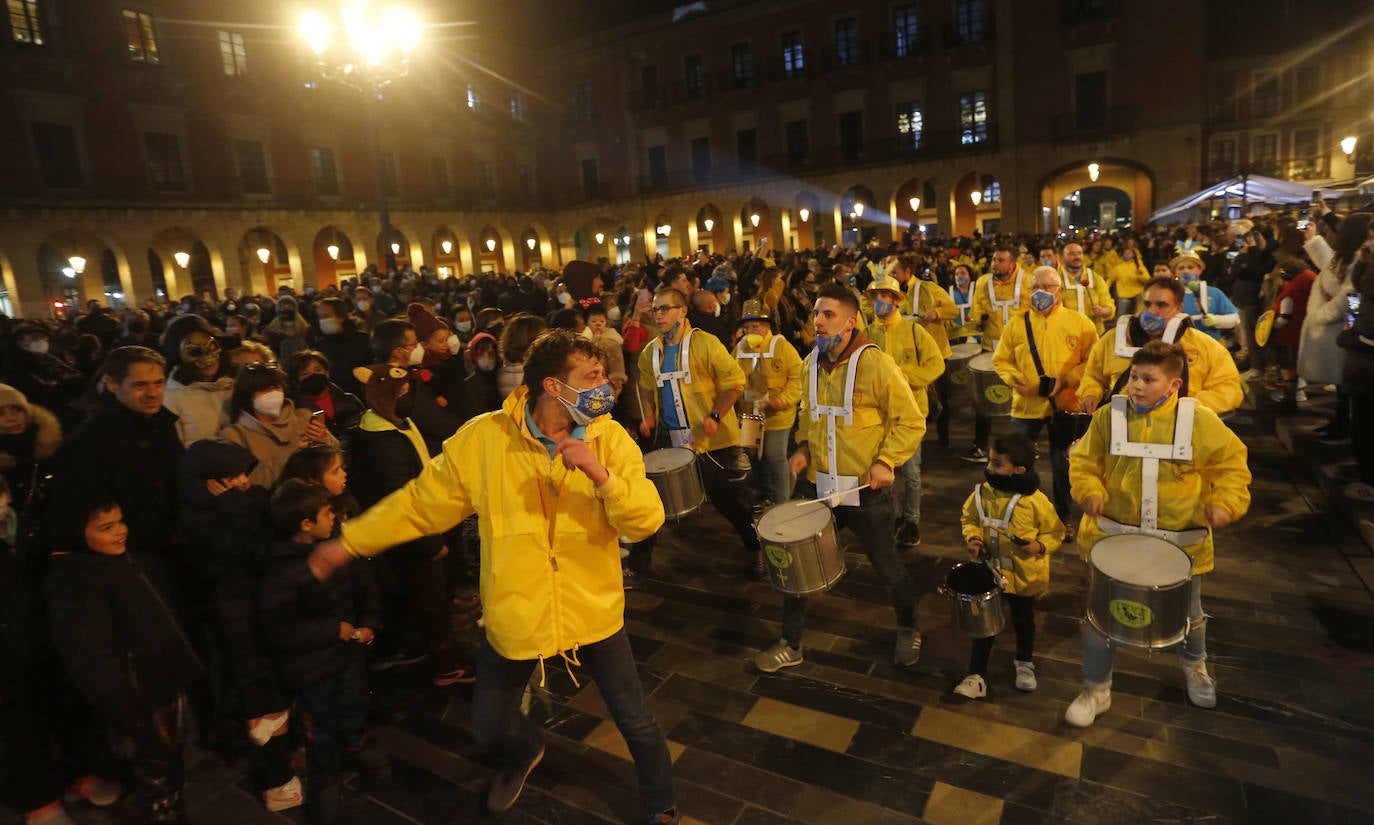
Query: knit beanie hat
{"points": [[382, 385], [424, 321], [10, 397]]}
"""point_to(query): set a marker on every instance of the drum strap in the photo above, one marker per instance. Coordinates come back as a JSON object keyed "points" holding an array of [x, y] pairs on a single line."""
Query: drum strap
{"points": [[675, 379], [998, 525], [833, 412], [1150, 454], [753, 357], [1005, 306]]}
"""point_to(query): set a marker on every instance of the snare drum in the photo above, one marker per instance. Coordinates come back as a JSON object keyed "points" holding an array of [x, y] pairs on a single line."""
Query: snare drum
{"points": [[957, 363], [977, 598], [802, 547], [673, 470], [991, 396], [1138, 593], [751, 433]]}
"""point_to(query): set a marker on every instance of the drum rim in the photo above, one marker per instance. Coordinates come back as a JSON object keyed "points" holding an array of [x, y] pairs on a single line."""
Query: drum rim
{"points": [[1163, 644], [1095, 570]]}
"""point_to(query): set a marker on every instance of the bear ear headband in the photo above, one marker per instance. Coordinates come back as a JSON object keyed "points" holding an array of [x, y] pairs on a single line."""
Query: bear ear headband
{"points": [[363, 374]]}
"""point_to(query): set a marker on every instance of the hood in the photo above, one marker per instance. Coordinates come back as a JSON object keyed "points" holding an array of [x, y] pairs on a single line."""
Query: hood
{"points": [[211, 458], [277, 430]]}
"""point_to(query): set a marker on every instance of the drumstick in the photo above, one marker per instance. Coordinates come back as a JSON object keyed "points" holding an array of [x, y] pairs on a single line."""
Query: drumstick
{"points": [[826, 499]]}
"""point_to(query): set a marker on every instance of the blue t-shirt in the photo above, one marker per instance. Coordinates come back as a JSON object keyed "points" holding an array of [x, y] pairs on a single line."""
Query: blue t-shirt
{"points": [[671, 355], [578, 430], [1217, 302]]}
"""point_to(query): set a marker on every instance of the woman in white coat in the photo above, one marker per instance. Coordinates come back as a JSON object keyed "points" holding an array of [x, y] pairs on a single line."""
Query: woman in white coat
{"points": [[1320, 358]]}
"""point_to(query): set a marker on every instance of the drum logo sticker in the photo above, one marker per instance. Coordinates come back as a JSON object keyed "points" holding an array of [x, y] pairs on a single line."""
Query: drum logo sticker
{"points": [[1132, 614], [779, 556], [959, 378], [998, 394]]}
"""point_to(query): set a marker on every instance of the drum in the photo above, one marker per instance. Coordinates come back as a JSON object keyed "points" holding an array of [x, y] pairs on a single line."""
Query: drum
{"points": [[802, 547], [1138, 592], [751, 433], [957, 362], [1264, 326], [673, 470], [977, 598], [991, 397]]}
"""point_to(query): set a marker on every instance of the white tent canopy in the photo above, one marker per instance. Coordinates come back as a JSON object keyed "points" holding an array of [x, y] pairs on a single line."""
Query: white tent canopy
{"points": [[1247, 189]]}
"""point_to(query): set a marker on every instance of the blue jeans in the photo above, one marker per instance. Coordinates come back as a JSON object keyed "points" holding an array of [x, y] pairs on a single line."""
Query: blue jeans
{"points": [[1099, 652], [911, 497], [775, 477], [511, 739], [335, 711]]}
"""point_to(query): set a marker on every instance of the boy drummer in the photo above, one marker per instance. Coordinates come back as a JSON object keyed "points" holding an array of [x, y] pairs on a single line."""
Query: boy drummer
{"points": [[1156, 464]]}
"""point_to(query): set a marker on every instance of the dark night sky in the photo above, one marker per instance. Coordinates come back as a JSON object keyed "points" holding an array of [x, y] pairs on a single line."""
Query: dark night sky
{"points": [[532, 22]]}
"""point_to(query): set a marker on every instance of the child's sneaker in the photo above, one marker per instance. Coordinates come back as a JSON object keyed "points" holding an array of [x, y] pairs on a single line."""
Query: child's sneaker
{"points": [[907, 650], [101, 793], [973, 687], [1025, 676], [1093, 701], [777, 657], [51, 814], [284, 797], [1202, 688], [263, 728]]}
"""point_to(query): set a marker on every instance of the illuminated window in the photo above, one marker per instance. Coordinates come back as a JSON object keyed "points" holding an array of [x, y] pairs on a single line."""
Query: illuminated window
{"points": [[793, 58], [973, 118], [25, 25], [138, 34], [910, 125], [232, 54], [904, 29]]}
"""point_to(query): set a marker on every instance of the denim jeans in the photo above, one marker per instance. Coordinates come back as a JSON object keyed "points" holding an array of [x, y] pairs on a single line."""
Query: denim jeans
{"points": [[334, 711], [1099, 652], [1059, 459], [871, 522], [510, 738], [911, 494], [772, 471]]}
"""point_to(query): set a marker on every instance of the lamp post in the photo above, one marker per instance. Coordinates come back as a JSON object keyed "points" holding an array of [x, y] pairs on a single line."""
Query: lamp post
{"points": [[373, 53]]}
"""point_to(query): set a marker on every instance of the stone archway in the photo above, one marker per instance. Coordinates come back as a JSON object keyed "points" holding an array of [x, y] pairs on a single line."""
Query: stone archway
{"points": [[1132, 179], [267, 262], [334, 256]]}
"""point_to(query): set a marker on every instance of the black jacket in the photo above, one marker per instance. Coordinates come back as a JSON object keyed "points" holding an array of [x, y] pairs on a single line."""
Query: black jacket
{"points": [[438, 403], [44, 379], [384, 461], [347, 407], [345, 351], [301, 614], [118, 639], [706, 322]]}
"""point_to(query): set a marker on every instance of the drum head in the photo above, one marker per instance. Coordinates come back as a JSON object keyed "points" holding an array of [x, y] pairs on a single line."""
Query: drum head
{"points": [[971, 578], [1144, 561], [966, 350], [982, 363], [792, 521], [667, 460], [1263, 327]]}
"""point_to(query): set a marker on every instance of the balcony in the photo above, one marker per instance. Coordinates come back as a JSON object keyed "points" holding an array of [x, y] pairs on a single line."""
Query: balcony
{"points": [[1080, 125]]}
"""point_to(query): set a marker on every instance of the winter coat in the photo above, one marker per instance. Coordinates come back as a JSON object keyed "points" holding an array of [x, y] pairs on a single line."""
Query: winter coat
{"points": [[480, 394], [26, 458], [44, 379], [301, 614], [346, 408], [271, 444], [1033, 519], [385, 458], [115, 634], [1298, 291], [345, 351], [1320, 358], [438, 403], [201, 407], [508, 377], [23, 631]]}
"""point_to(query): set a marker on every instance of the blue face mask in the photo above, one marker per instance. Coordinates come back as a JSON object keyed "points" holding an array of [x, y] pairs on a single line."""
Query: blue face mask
{"points": [[671, 333], [1047, 261], [826, 343], [1144, 408], [1152, 322], [591, 402], [1042, 300], [1189, 280], [882, 309]]}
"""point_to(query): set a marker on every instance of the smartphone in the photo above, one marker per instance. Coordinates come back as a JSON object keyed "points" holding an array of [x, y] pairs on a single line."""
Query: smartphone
{"points": [[1316, 196], [316, 414], [1352, 309], [1302, 224]]}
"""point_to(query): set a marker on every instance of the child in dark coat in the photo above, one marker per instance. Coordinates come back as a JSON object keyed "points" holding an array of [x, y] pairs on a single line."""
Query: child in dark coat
{"points": [[318, 630]]}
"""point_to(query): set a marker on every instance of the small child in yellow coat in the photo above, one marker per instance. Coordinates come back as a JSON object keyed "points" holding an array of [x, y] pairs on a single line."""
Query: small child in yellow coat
{"points": [[1015, 525]]}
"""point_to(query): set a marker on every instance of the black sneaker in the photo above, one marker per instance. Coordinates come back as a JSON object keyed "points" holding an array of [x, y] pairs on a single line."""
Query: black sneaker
{"points": [[909, 534], [1334, 438], [630, 578], [508, 784], [975, 456]]}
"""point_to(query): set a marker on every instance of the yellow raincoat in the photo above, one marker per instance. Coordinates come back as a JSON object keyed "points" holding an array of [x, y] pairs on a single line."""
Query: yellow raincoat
{"points": [[1064, 339], [714, 371], [1218, 475], [916, 352], [1096, 293], [1212, 376], [927, 296], [887, 425], [1033, 518], [982, 304], [1129, 278], [550, 579], [783, 375]]}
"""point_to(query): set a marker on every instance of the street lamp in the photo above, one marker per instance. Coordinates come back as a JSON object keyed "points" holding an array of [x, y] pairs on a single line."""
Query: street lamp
{"points": [[709, 224], [754, 219], [333, 250], [395, 249], [447, 246], [915, 204], [182, 258], [1348, 147], [804, 213], [531, 243], [858, 209], [975, 196], [1093, 171], [665, 230], [264, 253], [600, 237], [78, 264], [373, 52], [491, 244]]}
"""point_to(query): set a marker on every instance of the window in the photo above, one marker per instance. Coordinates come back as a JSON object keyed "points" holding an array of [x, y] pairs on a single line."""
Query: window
{"points": [[1265, 102], [517, 107], [847, 41], [391, 181], [747, 149], [1305, 83], [1090, 97], [1305, 144], [25, 25], [438, 177], [701, 159], [582, 103], [797, 142], [58, 157], [323, 171], [658, 167], [992, 192], [694, 73], [252, 163], [1264, 154], [904, 29], [232, 54], [910, 125], [524, 174], [472, 99], [1222, 103], [741, 65], [793, 60], [970, 21], [591, 181], [486, 180], [973, 118], [164, 162], [1223, 156], [852, 135], [138, 33]]}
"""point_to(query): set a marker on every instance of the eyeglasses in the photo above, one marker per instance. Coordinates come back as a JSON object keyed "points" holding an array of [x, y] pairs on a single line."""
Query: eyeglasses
{"points": [[663, 309], [261, 366]]}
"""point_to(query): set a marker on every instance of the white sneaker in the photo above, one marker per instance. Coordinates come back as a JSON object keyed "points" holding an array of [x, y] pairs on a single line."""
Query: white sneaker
{"points": [[284, 797], [973, 687], [1202, 688], [1025, 676], [1302, 396], [1094, 700], [263, 728], [777, 657]]}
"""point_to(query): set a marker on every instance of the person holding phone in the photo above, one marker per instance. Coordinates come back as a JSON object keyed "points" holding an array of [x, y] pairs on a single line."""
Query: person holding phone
{"points": [[1321, 359]]}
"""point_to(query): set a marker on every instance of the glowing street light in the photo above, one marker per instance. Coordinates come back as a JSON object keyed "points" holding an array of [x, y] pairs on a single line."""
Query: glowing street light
{"points": [[182, 258], [333, 250], [754, 219], [69, 272], [709, 224], [491, 244], [804, 213], [447, 246], [975, 196], [915, 204], [600, 237], [1348, 147], [858, 209], [395, 249], [665, 230], [1093, 171], [78, 264], [531, 243], [264, 253]]}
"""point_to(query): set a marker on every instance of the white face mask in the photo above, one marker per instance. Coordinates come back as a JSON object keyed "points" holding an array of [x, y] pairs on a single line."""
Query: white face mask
{"points": [[613, 314], [330, 326], [725, 300], [38, 346], [417, 355], [269, 404], [463, 326], [716, 311], [454, 345]]}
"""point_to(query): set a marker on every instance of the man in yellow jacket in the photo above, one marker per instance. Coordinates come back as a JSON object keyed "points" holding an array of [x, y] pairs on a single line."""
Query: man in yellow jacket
{"points": [[554, 481], [772, 370], [1041, 357], [997, 298], [1210, 377], [689, 383], [858, 422], [1085, 290], [1154, 464], [934, 309], [919, 358]]}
